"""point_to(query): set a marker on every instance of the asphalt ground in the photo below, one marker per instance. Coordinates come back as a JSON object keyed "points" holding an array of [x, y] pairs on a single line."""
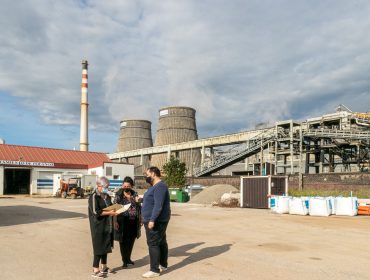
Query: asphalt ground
{"points": [[49, 238]]}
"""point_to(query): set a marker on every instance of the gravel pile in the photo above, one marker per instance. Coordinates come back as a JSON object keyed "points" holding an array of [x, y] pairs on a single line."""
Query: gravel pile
{"points": [[212, 194]]}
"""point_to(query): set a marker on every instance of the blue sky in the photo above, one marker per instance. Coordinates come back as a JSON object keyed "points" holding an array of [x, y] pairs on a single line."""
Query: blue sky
{"points": [[238, 63], [24, 127]]}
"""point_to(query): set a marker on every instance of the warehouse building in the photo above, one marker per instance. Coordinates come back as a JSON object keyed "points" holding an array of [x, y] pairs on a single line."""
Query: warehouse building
{"points": [[37, 170]]}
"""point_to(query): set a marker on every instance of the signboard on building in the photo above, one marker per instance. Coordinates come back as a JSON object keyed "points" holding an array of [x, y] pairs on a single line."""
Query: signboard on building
{"points": [[163, 113], [26, 163]]}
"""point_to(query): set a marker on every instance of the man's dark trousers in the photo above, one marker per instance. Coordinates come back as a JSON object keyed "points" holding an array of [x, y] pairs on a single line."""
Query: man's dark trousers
{"points": [[157, 243]]}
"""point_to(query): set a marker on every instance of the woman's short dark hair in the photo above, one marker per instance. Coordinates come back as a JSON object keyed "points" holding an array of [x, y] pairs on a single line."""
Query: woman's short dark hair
{"points": [[155, 170], [129, 180]]}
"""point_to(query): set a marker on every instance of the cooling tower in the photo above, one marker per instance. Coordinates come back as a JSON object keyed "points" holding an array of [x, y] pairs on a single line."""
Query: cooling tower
{"points": [[176, 125], [135, 134]]}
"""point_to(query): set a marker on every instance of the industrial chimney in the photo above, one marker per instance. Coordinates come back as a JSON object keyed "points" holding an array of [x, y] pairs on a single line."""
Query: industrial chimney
{"points": [[84, 139]]}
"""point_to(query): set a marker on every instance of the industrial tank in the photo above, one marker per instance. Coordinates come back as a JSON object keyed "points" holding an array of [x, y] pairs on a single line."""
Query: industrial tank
{"points": [[176, 125]]}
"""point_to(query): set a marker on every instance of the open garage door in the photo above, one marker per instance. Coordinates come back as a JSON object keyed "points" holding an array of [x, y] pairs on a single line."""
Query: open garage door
{"points": [[17, 181]]}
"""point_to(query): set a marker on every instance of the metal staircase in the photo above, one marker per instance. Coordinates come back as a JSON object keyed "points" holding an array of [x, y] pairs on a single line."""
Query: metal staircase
{"points": [[236, 154], [254, 145]]}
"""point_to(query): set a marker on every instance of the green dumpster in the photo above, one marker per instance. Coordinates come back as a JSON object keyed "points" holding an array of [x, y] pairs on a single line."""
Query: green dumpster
{"points": [[178, 195], [173, 194]]}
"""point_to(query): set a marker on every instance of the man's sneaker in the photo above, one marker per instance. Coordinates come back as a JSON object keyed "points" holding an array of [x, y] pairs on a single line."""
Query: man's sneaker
{"points": [[150, 274], [106, 271], [98, 274], [162, 268]]}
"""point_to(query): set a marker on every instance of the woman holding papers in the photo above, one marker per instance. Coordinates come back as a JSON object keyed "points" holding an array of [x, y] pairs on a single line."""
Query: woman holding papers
{"points": [[101, 226], [128, 224]]}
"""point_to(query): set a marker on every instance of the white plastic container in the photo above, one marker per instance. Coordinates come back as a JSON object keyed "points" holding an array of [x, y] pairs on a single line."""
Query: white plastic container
{"points": [[280, 204], [306, 200], [346, 206], [320, 206], [298, 206]]}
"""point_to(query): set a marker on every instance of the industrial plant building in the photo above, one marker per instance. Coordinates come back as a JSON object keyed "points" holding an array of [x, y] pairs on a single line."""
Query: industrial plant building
{"points": [[335, 142], [36, 170]]}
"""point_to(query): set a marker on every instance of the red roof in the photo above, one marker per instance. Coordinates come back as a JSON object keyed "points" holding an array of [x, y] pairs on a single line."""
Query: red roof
{"points": [[61, 158]]}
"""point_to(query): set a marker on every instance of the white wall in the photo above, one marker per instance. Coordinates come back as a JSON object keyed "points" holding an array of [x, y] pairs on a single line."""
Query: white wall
{"points": [[119, 172], [1, 180], [119, 169], [98, 171]]}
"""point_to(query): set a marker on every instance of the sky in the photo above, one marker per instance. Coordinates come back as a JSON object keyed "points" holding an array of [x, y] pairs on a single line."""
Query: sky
{"points": [[238, 63]]}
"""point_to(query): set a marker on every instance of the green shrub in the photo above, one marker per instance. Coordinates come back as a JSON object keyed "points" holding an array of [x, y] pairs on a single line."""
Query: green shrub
{"points": [[175, 172], [361, 193]]}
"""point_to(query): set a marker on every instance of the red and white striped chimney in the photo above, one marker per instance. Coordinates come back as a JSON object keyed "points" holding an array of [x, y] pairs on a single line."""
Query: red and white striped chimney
{"points": [[84, 138]]}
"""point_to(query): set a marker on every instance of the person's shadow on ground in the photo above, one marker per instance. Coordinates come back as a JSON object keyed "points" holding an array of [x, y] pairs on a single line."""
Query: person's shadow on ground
{"points": [[181, 251], [26, 214], [202, 254]]}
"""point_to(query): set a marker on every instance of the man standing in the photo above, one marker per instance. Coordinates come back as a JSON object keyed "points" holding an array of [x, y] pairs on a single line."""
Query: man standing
{"points": [[156, 214]]}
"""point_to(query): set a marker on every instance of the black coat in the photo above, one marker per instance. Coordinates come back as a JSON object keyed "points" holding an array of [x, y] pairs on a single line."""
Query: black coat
{"points": [[125, 225], [101, 226]]}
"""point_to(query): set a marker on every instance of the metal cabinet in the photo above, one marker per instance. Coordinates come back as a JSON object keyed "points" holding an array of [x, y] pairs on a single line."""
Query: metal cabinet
{"points": [[256, 190]]}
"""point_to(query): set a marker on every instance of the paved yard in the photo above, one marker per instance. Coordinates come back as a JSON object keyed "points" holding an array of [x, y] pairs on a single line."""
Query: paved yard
{"points": [[46, 238]]}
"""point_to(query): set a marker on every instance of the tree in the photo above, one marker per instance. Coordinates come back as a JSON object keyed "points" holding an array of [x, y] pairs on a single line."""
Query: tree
{"points": [[175, 172]]}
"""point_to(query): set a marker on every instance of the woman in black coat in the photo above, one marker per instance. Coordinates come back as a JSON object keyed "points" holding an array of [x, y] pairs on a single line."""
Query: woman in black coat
{"points": [[128, 224], [101, 226]]}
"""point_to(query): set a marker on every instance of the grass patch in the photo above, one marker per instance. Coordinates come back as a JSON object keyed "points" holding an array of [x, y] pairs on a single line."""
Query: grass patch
{"points": [[362, 193]]}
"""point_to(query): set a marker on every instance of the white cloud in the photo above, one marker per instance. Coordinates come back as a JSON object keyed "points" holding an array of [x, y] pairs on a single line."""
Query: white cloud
{"points": [[238, 63]]}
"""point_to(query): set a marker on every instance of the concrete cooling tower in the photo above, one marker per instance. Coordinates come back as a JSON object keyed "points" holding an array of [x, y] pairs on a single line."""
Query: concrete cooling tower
{"points": [[176, 125], [135, 134]]}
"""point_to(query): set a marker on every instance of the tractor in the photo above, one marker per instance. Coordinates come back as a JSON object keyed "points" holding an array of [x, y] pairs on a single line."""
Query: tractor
{"points": [[71, 187]]}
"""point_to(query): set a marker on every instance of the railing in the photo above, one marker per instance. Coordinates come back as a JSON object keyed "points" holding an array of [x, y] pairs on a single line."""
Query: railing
{"points": [[334, 133]]}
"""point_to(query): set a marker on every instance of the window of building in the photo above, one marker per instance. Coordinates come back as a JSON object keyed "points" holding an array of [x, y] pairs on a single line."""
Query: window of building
{"points": [[108, 171]]}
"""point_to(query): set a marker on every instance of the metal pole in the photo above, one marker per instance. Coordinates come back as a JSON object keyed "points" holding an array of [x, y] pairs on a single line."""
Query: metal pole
{"points": [[141, 159], [203, 155], [276, 149], [246, 162], [169, 153], [300, 159], [291, 148], [261, 163], [191, 161]]}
